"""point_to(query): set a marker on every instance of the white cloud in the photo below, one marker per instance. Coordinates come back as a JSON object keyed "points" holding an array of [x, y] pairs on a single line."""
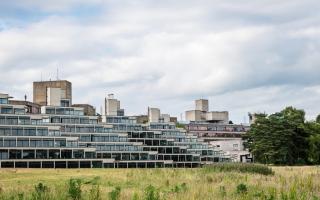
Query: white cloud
{"points": [[166, 54]]}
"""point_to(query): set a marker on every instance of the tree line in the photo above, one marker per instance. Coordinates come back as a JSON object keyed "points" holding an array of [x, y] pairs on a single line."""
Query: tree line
{"points": [[284, 138]]}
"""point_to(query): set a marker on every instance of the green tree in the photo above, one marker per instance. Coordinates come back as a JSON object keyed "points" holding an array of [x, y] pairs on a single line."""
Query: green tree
{"points": [[280, 138], [314, 142], [318, 119]]}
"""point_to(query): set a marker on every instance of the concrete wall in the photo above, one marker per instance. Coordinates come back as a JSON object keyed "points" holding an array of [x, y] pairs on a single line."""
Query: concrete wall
{"points": [[40, 90], [193, 115], [218, 116], [202, 105], [166, 118], [112, 106], [87, 109], [53, 96], [154, 114]]}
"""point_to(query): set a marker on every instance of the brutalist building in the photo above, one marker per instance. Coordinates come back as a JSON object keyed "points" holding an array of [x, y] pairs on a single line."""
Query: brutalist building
{"points": [[51, 132]]}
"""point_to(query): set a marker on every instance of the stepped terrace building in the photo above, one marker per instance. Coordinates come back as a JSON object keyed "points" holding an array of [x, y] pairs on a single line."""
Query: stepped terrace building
{"points": [[66, 137]]}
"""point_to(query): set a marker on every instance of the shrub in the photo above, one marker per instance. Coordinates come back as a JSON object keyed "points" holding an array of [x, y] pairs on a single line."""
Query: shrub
{"points": [[115, 194], [40, 192], [242, 188], [74, 190], [95, 193], [151, 193], [240, 167], [222, 191]]}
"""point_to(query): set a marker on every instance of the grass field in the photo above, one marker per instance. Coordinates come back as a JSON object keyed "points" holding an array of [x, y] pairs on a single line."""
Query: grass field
{"points": [[286, 183]]}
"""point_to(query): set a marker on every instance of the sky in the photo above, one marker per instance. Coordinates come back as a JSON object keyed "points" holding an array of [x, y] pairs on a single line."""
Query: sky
{"points": [[242, 55]]}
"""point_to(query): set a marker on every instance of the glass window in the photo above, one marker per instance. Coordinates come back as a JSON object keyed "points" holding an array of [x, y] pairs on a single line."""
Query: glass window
{"points": [[6, 110], [30, 132], [19, 111], [3, 101], [50, 111], [23, 142], [28, 154], [4, 155]]}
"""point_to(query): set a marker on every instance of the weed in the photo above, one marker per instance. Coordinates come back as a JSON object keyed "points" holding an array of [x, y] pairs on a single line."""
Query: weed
{"points": [[74, 190], [151, 193], [40, 192], [95, 193], [242, 188], [115, 194]]}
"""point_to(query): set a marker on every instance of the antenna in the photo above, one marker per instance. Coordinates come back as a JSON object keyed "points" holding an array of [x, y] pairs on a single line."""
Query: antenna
{"points": [[57, 73]]}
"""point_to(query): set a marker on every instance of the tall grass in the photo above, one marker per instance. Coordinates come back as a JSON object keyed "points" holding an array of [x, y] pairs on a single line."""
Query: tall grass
{"points": [[291, 183], [239, 167]]}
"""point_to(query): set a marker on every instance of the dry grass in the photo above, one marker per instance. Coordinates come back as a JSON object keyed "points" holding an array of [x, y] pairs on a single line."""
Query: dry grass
{"points": [[286, 183]]}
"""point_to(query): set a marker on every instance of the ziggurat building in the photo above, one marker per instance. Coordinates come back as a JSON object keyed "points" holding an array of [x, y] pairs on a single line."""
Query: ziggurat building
{"points": [[50, 132]]}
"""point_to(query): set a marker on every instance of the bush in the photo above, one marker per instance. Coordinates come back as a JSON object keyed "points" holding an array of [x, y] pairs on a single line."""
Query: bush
{"points": [[40, 192], [242, 188], [115, 194], [151, 193], [240, 167], [74, 190], [95, 193]]}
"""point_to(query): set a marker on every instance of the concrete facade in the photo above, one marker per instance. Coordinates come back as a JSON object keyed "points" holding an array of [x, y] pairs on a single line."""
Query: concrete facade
{"points": [[193, 115], [154, 114], [201, 113], [202, 105], [220, 116], [112, 106], [165, 118], [40, 91], [88, 109]]}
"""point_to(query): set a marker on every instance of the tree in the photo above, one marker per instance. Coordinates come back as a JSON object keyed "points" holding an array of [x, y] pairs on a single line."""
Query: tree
{"points": [[318, 119], [280, 138]]}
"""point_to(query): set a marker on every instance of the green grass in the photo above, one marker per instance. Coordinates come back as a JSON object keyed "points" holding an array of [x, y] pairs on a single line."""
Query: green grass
{"points": [[218, 183], [239, 167]]}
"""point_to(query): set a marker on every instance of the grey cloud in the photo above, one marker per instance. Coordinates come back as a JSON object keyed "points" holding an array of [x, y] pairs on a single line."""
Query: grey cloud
{"points": [[165, 53]]}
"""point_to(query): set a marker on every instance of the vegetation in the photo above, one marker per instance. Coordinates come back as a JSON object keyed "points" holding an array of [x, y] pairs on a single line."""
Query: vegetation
{"points": [[240, 167], [140, 184], [284, 138]]}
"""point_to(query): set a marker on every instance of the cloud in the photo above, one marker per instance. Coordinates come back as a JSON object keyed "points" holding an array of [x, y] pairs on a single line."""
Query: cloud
{"points": [[243, 56]]}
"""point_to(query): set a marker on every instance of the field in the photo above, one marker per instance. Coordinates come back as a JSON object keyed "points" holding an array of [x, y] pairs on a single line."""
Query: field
{"points": [[286, 183]]}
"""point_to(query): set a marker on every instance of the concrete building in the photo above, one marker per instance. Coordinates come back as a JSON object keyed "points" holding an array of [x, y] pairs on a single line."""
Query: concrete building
{"points": [[225, 137], [173, 119], [202, 105], [55, 93], [142, 119], [194, 115], [216, 116], [64, 137], [201, 113], [30, 106], [153, 115], [165, 118], [112, 106], [87, 109]]}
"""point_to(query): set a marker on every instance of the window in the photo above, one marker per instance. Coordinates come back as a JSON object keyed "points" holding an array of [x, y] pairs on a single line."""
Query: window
{"points": [[28, 154], [3, 101], [23, 143], [6, 110], [24, 120], [9, 142], [17, 132], [12, 120], [30, 132], [50, 111], [4, 155], [19, 111]]}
